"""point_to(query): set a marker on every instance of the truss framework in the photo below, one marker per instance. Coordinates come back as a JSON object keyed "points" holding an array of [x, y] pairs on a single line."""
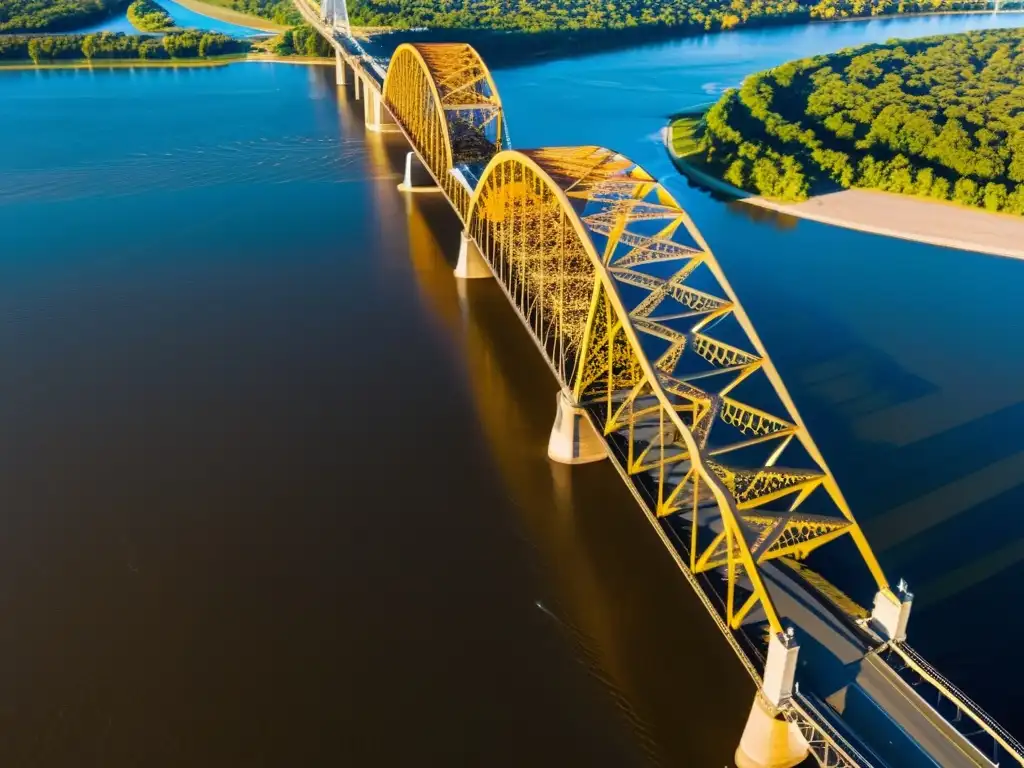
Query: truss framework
{"points": [[443, 97], [335, 14], [640, 326]]}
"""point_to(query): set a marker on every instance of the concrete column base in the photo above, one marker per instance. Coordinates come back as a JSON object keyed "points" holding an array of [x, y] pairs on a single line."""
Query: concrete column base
{"points": [[376, 115], [340, 69], [769, 741], [417, 178], [471, 264], [358, 85], [573, 438]]}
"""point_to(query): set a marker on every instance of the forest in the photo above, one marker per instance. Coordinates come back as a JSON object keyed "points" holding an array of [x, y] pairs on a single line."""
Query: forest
{"points": [[111, 45], [279, 11], [54, 15], [301, 40], [549, 15], [939, 117], [147, 16]]}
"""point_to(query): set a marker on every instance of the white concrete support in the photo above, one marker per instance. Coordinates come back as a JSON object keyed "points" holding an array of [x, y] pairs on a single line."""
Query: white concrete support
{"points": [[573, 438], [417, 178], [891, 612], [769, 741], [340, 69], [780, 669], [377, 116], [358, 84], [471, 262]]}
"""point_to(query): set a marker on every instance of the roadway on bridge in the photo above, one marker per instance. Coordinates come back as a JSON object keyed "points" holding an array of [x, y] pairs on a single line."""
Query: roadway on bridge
{"points": [[838, 665]]}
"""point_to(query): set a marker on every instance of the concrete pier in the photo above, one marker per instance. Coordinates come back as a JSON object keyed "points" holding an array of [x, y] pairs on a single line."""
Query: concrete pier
{"points": [[891, 613], [417, 178], [768, 740], [340, 69], [573, 438], [471, 264], [376, 115]]}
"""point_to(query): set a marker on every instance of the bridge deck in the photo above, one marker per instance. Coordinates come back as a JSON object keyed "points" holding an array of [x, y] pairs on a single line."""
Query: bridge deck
{"points": [[840, 666]]}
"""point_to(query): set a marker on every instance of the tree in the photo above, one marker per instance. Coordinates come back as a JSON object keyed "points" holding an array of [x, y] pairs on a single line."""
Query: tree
{"points": [[941, 117], [995, 196], [89, 46], [966, 191]]}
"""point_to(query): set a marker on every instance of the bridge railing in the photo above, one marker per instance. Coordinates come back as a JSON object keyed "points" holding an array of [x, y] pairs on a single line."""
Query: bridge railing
{"points": [[992, 739], [828, 747]]}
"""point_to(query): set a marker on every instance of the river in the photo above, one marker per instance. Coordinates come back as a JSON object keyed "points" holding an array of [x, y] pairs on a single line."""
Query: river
{"points": [[183, 17], [275, 487]]}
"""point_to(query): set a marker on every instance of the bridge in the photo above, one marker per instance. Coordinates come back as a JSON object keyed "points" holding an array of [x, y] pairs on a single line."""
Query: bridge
{"points": [[661, 372]]}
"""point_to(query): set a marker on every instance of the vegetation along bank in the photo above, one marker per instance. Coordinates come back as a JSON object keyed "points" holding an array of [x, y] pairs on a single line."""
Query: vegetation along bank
{"points": [[147, 16], [547, 15], [187, 44], [939, 117], [54, 15]]}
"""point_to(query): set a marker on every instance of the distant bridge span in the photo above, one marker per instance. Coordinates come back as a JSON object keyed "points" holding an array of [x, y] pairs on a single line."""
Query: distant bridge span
{"points": [[661, 370]]}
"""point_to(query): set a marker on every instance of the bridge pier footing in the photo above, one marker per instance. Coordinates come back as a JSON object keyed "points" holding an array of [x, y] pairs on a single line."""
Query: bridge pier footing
{"points": [[417, 177], [573, 438], [340, 69], [377, 117], [471, 264], [769, 740]]}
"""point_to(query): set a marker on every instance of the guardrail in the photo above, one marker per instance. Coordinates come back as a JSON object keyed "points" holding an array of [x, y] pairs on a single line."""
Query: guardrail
{"points": [[1003, 745]]}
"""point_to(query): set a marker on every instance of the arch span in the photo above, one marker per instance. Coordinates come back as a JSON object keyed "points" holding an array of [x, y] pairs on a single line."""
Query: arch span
{"points": [[640, 326], [445, 100]]}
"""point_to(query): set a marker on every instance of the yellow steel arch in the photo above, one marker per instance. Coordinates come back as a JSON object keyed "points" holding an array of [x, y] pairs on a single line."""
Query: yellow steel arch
{"points": [[445, 100], [639, 324]]}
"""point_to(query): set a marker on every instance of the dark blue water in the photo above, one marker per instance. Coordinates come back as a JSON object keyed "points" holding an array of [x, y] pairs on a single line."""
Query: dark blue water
{"points": [[276, 491]]}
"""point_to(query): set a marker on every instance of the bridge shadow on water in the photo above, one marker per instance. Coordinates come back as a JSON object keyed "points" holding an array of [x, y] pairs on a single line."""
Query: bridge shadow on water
{"points": [[607, 588], [919, 418]]}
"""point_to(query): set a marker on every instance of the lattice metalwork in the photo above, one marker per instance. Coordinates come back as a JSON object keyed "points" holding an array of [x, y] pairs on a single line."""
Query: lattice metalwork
{"points": [[638, 322], [335, 14], [443, 97]]}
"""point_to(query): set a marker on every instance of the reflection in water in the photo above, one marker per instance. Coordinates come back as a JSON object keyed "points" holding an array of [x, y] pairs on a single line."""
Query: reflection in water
{"points": [[612, 591], [777, 219]]}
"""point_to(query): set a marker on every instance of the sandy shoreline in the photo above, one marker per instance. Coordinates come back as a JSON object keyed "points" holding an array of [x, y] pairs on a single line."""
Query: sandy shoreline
{"points": [[231, 16], [885, 213], [911, 218]]}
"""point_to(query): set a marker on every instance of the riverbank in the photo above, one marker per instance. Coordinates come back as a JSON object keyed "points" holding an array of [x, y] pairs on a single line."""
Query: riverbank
{"points": [[231, 16], [212, 61], [504, 49], [911, 218], [920, 220]]}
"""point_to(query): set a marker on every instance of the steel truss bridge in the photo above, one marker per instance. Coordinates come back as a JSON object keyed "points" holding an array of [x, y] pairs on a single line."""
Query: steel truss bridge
{"points": [[661, 370]]}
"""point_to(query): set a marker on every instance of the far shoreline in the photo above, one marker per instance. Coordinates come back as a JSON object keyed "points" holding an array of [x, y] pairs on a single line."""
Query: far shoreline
{"points": [[905, 217], [213, 61], [231, 16]]}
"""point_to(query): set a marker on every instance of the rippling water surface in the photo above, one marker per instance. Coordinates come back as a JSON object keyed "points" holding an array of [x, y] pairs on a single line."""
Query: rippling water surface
{"points": [[275, 487]]}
